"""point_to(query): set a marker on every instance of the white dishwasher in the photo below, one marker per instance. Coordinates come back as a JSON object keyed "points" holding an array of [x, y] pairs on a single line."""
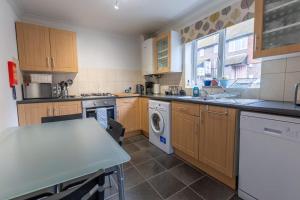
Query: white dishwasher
{"points": [[269, 160]]}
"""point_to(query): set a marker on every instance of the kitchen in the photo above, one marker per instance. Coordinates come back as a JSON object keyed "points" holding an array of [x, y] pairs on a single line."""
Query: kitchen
{"points": [[204, 94]]}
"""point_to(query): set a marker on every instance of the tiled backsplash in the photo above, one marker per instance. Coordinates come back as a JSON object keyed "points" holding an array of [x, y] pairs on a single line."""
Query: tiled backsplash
{"points": [[279, 78], [90, 80]]}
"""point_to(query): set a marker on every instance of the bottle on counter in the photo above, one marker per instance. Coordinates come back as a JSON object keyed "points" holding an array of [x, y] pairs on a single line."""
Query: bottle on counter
{"points": [[196, 91]]}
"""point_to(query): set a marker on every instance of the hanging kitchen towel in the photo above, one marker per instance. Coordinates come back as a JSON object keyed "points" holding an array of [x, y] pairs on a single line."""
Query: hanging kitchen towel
{"points": [[102, 117]]}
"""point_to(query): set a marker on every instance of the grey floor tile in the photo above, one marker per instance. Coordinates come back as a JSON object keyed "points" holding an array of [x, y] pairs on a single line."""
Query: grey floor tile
{"points": [[166, 184], [168, 161], [150, 168], [212, 190], [110, 190], [186, 174], [142, 192], [186, 194], [143, 144], [132, 178], [140, 157], [155, 152], [131, 148], [137, 138]]}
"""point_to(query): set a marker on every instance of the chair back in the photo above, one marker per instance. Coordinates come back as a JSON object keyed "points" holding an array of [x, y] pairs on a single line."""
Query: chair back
{"points": [[61, 118], [116, 130], [91, 189]]}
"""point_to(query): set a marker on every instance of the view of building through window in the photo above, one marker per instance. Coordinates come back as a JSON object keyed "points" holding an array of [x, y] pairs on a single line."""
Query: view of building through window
{"points": [[235, 63]]}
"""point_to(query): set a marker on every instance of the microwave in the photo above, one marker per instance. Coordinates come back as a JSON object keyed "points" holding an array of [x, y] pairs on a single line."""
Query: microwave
{"points": [[37, 91]]}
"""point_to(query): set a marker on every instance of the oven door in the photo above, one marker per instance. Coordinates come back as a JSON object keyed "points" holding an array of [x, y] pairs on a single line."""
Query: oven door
{"points": [[101, 114]]}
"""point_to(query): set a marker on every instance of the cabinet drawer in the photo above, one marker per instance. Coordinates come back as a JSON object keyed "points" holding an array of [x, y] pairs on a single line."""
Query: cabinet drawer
{"points": [[126, 101], [187, 108]]}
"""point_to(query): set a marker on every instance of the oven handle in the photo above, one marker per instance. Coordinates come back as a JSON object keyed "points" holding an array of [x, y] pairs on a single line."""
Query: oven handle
{"points": [[94, 109]]}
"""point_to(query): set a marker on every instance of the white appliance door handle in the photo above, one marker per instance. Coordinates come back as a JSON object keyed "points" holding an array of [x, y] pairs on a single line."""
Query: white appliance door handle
{"points": [[272, 131]]}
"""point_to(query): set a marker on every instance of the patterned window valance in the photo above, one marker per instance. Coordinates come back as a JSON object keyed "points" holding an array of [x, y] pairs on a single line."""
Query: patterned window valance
{"points": [[234, 14]]}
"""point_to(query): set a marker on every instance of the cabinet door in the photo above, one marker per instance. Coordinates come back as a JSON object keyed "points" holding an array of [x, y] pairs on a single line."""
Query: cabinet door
{"points": [[67, 108], [147, 57], [33, 47], [162, 53], [277, 27], [63, 51], [185, 132], [31, 114], [128, 113], [144, 116], [218, 131]]}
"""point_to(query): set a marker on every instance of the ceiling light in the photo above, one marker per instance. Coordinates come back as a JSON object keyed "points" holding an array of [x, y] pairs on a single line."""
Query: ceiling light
{"points": [[117, 3]]}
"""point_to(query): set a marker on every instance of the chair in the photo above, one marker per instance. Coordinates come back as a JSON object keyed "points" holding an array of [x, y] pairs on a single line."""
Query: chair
{"points": [[91, 189], [61, 118], [116, 130]]}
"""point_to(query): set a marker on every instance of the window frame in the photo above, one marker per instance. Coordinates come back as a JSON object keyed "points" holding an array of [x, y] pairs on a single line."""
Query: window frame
{"points": [[221, 59]]}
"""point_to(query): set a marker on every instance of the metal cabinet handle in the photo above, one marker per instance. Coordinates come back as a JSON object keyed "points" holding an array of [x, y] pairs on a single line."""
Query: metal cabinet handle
{"points": [[53, 61], [49, 112], [48, 62]]}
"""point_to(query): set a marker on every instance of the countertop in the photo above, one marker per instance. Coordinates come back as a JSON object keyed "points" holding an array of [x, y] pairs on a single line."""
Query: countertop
{"points": [[254, 105]]}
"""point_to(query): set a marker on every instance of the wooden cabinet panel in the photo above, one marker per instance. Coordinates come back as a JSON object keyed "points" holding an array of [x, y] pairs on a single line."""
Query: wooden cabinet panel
{"points": [[276, 28], [43, 49], [144, 115], [128, 110], [63, 51], [187, 108], [33, 47], [185, 128], [31, 114], [67, 108], [217, 142]]}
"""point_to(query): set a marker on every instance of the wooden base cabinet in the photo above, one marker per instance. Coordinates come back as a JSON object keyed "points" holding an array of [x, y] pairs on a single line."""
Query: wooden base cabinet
{"points": [[205, 136], [217, 140], [185, 128], [144, 115], [128, 114], [31, 114]]}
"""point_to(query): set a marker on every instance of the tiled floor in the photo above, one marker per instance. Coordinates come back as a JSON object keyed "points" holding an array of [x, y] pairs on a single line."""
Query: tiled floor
{"points": [[152, 175]]}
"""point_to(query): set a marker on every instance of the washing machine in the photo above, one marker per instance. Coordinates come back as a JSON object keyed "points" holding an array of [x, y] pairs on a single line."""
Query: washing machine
{"points": [[160, 125]]}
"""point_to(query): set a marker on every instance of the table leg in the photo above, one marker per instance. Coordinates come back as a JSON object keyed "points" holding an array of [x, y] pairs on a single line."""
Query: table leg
{"points": [[120, 175], [58, 188]]}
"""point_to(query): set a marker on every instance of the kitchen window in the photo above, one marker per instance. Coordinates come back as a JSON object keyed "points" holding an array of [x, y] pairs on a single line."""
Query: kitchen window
{"points": [[227, 54]]}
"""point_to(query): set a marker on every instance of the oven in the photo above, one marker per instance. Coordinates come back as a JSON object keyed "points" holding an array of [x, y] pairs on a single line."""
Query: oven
{"points": [[101, 109]]}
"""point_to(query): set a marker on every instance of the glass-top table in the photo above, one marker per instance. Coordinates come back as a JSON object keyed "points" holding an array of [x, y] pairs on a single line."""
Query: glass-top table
{"points": [[42, 156]]}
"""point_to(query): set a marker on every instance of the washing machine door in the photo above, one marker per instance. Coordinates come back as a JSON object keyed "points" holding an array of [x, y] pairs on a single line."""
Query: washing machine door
{"points": [[157, 123]]}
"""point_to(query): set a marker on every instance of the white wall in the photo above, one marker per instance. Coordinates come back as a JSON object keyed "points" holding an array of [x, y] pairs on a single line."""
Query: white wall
{"points": [[8, 51]]}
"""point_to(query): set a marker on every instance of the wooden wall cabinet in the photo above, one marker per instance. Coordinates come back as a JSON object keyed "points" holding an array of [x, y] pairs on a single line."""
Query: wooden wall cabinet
{"points": [[43, 49], [144, 115], [217, 140], [128, 114], [185, 128], [167, 53], [31, 114], [277, 27]]}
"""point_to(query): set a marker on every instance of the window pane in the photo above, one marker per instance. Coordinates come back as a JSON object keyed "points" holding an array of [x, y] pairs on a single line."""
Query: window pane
{"points": [[239, 67], [206, 65]]}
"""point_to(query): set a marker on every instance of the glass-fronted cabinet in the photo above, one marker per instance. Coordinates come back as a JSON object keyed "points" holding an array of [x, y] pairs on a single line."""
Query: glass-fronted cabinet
{"points": [[277, 27], [167, 53]]}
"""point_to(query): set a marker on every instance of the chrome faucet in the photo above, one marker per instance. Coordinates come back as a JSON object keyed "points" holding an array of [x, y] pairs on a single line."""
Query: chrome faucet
{"points": [[296, 94]]}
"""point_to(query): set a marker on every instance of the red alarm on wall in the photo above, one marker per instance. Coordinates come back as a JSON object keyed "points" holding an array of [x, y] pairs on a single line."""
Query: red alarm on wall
{"points": [[13, 80], [12, 73]]}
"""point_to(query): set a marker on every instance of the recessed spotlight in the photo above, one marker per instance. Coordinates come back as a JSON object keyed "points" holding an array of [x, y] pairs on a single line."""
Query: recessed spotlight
{"points": [[117, 5]]}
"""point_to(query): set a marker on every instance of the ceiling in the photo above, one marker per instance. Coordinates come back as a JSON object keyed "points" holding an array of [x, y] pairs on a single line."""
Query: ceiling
{"points": [[134, 16]]}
